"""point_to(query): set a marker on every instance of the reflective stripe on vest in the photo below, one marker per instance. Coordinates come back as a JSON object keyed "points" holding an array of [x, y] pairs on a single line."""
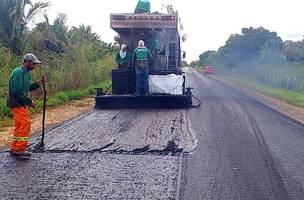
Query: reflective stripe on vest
{"points": [[21, 139]]}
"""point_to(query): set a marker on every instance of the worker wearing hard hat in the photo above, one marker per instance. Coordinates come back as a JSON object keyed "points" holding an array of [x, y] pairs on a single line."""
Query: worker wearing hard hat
{"points": [[123, 57], [143, 6], [20, 84], [141, 58]]}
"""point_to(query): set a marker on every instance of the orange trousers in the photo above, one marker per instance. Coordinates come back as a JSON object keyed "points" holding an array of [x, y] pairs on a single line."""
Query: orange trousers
{"points": [[22, 123]]}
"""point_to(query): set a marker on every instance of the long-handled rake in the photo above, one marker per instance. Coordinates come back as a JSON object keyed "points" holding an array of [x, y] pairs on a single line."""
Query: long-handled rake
{"points": [[43, 114]]}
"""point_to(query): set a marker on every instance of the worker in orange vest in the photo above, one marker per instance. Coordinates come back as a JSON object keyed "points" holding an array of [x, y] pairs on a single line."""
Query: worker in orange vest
{"points": [[20, 84]]}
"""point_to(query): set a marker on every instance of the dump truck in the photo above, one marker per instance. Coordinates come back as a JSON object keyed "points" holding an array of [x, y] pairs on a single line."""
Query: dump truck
{"points": [[160, 33]]}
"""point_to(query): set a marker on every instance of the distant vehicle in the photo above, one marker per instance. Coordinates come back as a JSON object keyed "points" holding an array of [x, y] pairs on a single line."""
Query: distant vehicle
{"points": [[208, 70]]}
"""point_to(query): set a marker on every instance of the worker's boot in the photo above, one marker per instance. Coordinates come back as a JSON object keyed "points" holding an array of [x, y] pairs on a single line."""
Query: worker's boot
{"points": [[20, 153]]}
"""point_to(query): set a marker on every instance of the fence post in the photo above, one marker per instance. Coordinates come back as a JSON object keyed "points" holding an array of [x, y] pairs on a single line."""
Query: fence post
{"points": [[278, 81], [288, 82], [294, 85]]}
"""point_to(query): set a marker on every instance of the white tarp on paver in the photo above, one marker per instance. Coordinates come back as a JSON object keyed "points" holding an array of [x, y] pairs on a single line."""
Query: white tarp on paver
{"points": [[169, 84]]}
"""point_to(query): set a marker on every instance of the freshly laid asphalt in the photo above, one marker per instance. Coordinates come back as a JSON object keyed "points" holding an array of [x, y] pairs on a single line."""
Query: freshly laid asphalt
{"points": [[104, 154], [232, 147], [89, 176], [245, 150]]}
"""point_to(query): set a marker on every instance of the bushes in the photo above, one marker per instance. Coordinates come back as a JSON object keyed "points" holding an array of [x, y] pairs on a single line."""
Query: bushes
{"points": [[70, 75], [58, 99], [5, 114], [72, 71], [4, 110], [63, 97], [80, 65], [74, 61], [7, 63]]}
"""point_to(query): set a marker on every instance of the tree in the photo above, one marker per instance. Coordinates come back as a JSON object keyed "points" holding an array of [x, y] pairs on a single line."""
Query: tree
{"points": [[82, 34], [60, 29], [294, 51], [14, 18], [246, 48], [207, 58], [196, 63], [50, 37]]}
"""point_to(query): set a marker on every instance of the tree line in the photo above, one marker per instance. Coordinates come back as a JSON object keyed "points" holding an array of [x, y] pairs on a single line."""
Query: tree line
{"points": [[260, 53], [72, 58]]}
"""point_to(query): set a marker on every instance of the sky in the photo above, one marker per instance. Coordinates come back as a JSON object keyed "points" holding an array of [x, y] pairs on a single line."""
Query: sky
{"points": [[208, 23]]}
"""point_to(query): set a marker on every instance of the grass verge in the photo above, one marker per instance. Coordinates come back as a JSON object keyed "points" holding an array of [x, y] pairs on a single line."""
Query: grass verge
{"points": [[291, 97]]}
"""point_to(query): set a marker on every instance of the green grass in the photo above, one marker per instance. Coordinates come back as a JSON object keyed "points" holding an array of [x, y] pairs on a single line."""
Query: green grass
{"points": [[59, 98], [6, 122], [5, 114], [65, 96], [4, 110], [288, 96]]}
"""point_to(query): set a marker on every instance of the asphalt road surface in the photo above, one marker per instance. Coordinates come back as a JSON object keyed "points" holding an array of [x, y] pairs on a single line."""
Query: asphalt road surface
{"points": [[232, 147], [245, 150]]}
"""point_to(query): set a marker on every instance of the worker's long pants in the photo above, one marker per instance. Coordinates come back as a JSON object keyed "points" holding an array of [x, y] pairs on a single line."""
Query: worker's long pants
{"points": [[142, 82], [22, 123]]}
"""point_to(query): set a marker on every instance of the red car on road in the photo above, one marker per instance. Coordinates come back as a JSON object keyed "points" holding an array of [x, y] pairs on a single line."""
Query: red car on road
{"points": [[208, 70]]}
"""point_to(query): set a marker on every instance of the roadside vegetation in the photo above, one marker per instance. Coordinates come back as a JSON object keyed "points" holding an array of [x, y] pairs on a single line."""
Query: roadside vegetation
{"points": [[289, 96], [260, 57], [75, 59]]}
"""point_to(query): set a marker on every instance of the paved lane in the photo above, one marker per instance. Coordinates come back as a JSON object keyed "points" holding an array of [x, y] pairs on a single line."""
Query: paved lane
{"points": [[245, 150]]}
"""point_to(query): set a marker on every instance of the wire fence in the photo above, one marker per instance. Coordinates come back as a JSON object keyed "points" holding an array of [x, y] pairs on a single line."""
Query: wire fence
{"points": [[276, 80], [287, 82]]}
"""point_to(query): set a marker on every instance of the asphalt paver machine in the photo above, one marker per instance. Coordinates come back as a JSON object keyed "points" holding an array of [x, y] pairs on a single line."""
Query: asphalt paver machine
{"points": [[160, 33]]}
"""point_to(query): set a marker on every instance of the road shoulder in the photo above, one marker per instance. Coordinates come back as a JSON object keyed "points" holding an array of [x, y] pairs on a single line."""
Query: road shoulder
{"points": [[294, 112]]}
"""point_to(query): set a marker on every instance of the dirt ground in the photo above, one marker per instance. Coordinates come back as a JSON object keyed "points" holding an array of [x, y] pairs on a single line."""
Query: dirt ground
{"points": [[54, 115]]}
